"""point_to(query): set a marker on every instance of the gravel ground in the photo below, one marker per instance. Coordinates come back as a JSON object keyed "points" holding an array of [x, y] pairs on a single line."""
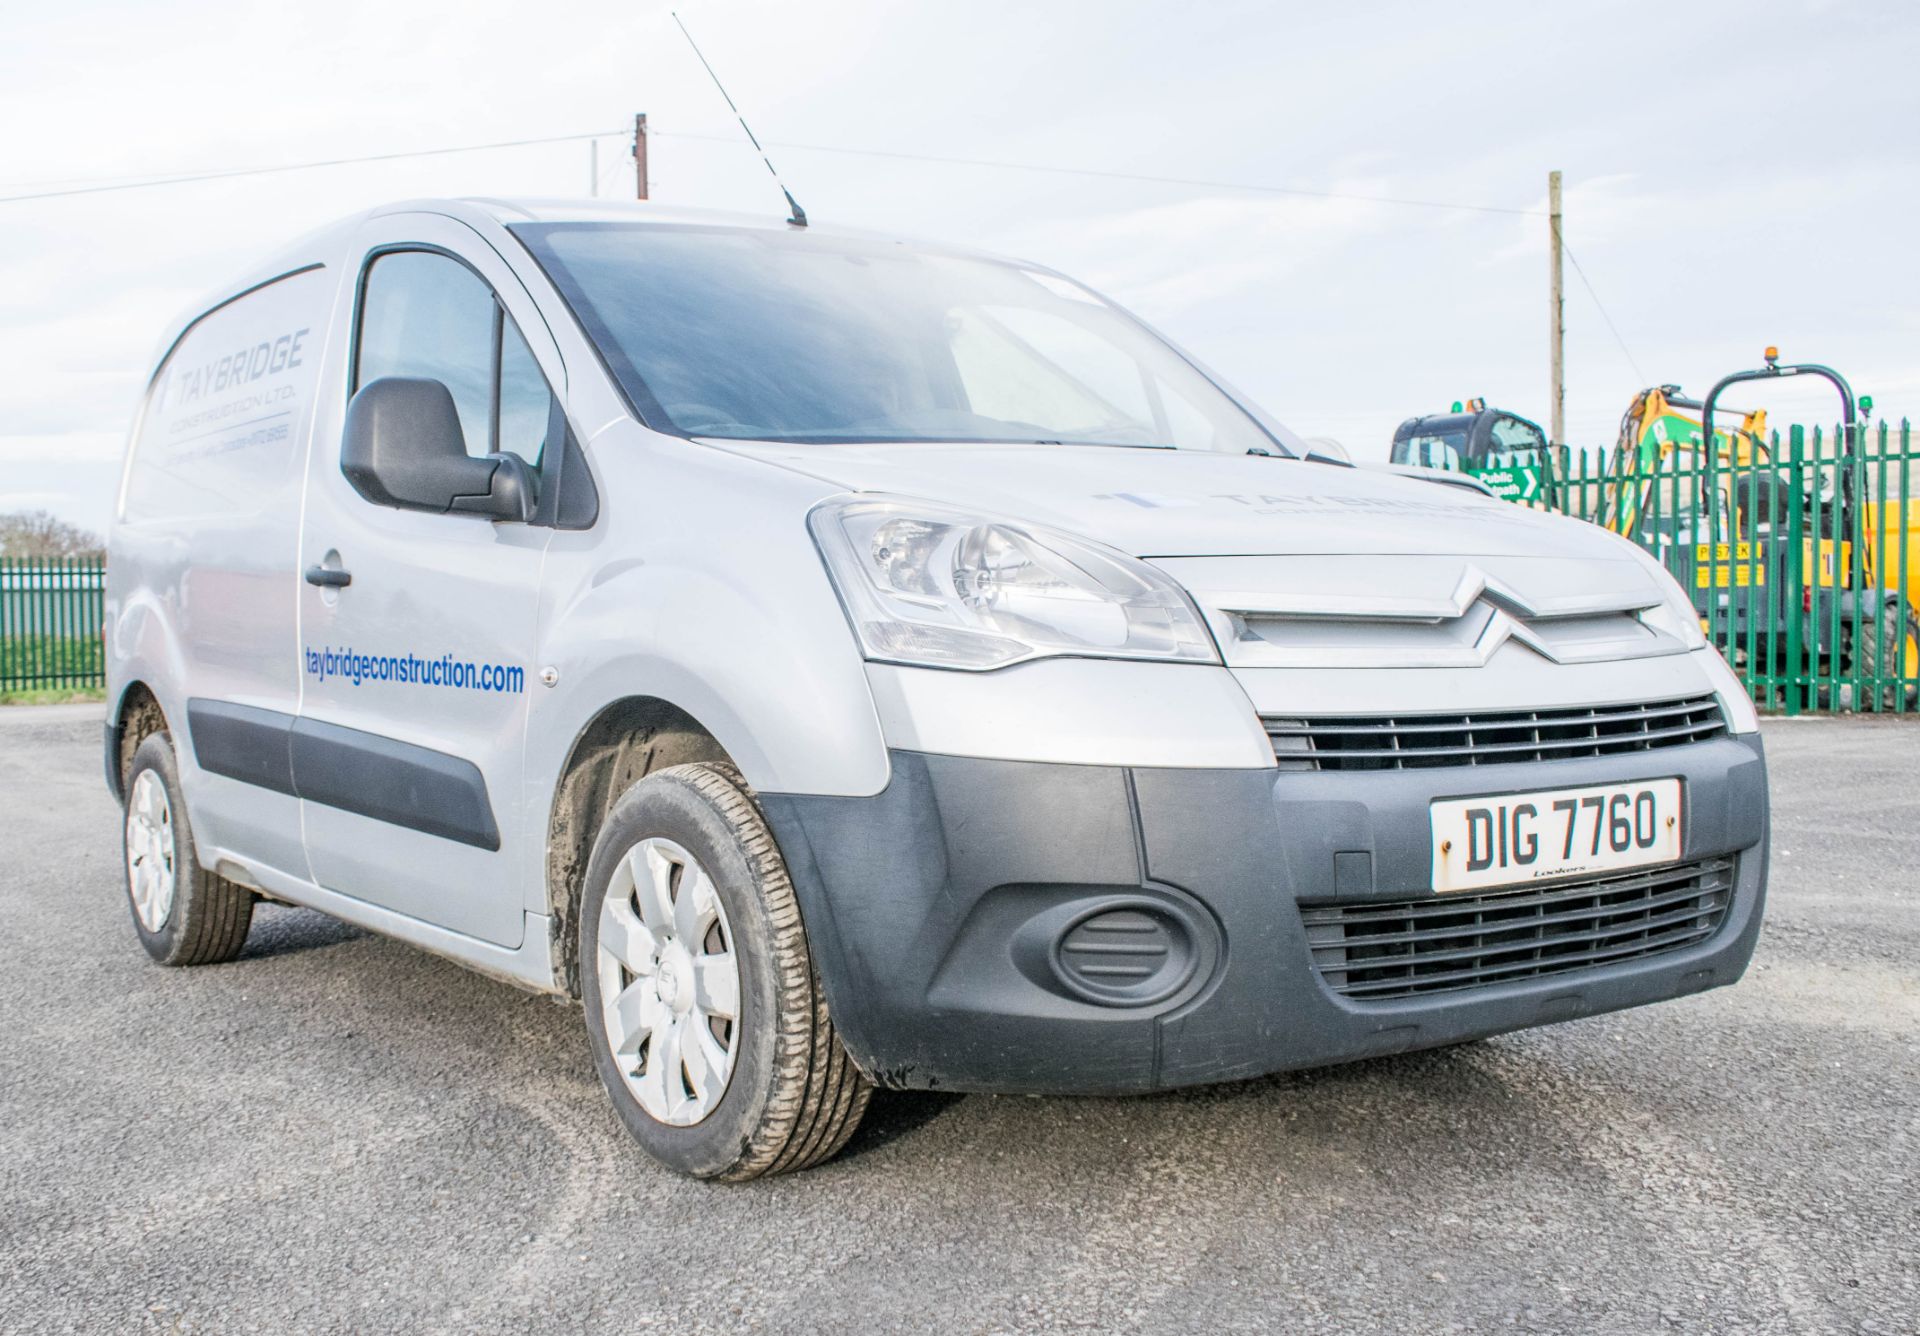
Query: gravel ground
{"points": [[339, 1133]]}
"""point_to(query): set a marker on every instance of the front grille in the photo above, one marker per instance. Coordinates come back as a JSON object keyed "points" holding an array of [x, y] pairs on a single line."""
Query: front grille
{"points": [[1440, 944], [1494, 738]]}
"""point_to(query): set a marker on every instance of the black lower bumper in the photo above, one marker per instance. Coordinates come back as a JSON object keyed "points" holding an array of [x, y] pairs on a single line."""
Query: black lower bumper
{"points": [[1017, 927]]}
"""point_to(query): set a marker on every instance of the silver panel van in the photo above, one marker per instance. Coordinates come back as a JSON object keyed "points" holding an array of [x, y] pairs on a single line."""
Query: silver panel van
{"points": [[839, 662]]}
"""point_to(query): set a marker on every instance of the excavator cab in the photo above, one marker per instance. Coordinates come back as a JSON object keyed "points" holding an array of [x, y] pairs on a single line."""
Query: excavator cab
{"points": [[1503, 450]]}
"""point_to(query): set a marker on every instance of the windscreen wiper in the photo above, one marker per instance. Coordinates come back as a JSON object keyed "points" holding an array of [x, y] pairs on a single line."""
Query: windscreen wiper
{"points": [[1312, 456]]}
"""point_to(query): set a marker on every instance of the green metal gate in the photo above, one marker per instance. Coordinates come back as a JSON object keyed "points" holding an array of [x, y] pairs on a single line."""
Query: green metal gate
{"points": [[1803, 561], [51, 611]]}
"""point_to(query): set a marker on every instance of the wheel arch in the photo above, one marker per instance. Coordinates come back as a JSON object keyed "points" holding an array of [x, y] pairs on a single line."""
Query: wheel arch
{"points": [[625, 741], [134, 716]]}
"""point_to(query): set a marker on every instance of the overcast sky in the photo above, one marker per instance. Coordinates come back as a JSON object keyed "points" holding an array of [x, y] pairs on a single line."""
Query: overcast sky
{"points": [[1737, 174]]}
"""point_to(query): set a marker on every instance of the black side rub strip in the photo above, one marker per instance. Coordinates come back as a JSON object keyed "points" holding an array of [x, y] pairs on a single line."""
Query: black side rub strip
{"points": [[243, 742], [392, 781], [364, 773]]}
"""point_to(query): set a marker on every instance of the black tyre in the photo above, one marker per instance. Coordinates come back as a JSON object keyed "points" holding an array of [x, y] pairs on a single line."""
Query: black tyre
{"points": [[184, 914], [1889, 647], [1763, 501], [706, 1018]]}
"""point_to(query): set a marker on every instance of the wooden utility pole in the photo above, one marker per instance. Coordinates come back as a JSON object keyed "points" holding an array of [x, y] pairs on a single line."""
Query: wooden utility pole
{"points": [[1557, 330], [640, 155]]}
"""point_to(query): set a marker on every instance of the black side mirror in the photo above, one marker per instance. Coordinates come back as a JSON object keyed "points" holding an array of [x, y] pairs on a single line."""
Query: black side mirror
{"points": [[404, 448]]}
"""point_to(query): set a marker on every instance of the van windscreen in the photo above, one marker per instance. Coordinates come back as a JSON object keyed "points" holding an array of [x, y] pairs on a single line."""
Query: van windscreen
{"points": [[744, 334]]}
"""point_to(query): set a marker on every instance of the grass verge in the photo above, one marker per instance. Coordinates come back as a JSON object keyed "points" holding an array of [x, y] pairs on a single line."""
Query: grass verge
{"points": [[53, 696]]}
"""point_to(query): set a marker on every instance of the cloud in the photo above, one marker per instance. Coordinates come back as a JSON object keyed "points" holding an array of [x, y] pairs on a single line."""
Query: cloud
{"points": [[1712, 219], [1171, 258], [69, 447]]}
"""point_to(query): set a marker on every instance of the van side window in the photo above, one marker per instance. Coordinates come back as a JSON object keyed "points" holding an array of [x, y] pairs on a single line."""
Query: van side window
{"points": [[426, 314], [526, 404], [224, 426]]}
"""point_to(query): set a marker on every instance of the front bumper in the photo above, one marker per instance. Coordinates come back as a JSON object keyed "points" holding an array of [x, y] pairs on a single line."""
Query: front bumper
{"points": [[935, 908]]}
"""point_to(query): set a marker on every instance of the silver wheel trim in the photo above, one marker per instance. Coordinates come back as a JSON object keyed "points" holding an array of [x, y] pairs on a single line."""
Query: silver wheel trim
{"points": [[669, 982], [150, 850]]}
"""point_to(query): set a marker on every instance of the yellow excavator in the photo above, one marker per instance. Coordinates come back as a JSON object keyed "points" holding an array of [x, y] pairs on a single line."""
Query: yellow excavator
{"points": [[1657, 436], [1804, 568]]}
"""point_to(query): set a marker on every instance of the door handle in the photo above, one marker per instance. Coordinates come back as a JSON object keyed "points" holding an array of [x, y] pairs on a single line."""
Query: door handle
{"points": [[328, 577]]}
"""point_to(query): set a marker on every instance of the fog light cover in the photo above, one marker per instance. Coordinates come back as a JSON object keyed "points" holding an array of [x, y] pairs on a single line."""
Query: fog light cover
{"points": [[1129, 956]]}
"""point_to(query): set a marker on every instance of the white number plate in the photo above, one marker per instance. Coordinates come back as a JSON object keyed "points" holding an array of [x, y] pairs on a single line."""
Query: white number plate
{"points": [[1512, 838]]}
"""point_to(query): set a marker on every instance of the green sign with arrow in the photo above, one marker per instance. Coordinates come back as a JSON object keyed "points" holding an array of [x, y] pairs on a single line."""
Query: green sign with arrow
{"points": [[1511, 482]]}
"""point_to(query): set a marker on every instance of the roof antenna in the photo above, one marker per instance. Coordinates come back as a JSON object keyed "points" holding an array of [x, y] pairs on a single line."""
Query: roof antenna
{"points": [[799, 218]]}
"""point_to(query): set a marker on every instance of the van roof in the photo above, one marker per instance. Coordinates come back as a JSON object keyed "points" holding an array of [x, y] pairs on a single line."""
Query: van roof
{"points": [[323, 245], [509, 211]]}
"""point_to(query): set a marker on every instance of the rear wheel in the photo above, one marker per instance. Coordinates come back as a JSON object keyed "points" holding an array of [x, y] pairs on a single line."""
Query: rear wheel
{"points": [[1889, 649], [183, 914], [707, 1022]]}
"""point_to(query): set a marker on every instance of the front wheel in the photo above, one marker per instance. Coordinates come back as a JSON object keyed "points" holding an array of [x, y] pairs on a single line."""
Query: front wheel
{"points": [[707, 1022]]}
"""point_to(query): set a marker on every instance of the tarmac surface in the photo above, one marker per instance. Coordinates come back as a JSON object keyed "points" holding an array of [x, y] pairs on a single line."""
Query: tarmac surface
{"points": [[340, 1133]]}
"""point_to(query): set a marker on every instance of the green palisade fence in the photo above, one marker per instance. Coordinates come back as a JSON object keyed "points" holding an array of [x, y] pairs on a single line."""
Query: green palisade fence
{"points": [[1802, 562], [51, 611]]}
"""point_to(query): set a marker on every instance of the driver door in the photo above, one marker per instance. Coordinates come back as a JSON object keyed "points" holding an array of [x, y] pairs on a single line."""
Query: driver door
{"points": [[418, 629]]}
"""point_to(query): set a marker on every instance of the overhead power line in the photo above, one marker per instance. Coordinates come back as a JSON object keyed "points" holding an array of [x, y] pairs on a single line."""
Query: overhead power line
{"points": [[146, 183], [1202, 183], [994, 164], [1055, 169], [1600, 306], [107, 185]]}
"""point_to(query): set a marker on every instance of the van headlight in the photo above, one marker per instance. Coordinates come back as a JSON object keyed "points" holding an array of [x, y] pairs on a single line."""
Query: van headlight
{"points": [[943, 588]]}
